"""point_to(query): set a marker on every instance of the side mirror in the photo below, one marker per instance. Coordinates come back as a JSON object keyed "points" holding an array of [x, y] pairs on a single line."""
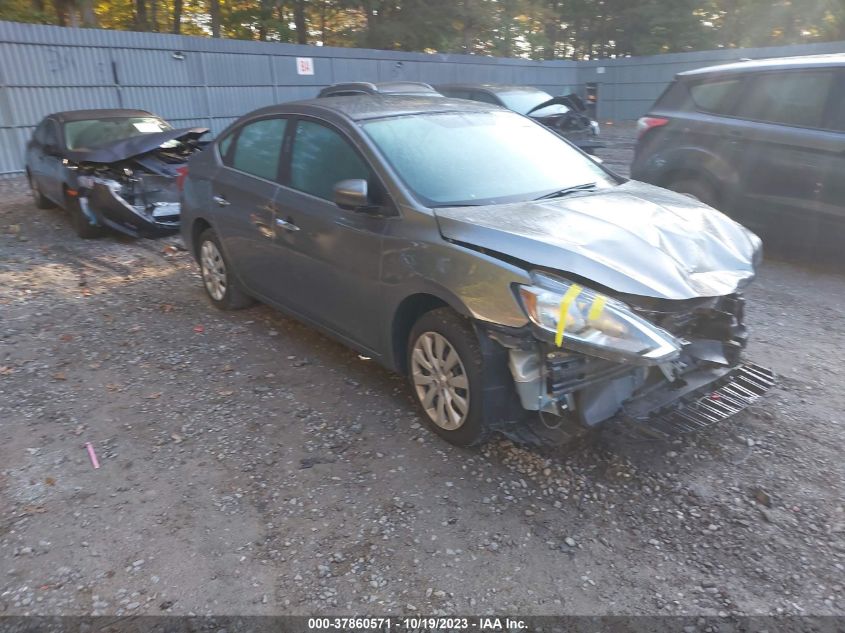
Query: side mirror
{"points": [[352, 195]]}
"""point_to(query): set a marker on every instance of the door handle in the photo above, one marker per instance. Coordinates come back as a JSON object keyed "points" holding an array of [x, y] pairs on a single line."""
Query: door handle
{"points": [[221, 201], [287, 226]]}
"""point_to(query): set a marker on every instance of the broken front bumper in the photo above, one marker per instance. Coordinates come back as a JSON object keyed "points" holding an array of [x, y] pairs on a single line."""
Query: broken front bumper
{"points": [[710, 397], [153, 212]]}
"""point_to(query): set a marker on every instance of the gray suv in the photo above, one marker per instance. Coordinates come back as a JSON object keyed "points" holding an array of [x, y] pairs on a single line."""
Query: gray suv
{"points": [[763, 141], [520, 286]]}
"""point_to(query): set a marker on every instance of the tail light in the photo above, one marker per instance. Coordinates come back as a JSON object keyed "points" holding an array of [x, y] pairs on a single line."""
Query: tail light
{"points": [[646, 123], [181, 174]]}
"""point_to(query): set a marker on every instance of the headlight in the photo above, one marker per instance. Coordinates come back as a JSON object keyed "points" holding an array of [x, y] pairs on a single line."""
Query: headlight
{"points": [[591, 323]]}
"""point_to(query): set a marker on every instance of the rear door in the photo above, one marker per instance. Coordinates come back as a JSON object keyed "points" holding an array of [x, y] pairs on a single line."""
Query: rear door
{"points": [[787, 152], [243, 193], [334, 255]]}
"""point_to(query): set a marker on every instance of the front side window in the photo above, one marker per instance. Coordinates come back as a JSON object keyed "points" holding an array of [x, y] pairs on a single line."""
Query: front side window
{"points": [[92, 133], [791, 98], [717, 97], [469, 158], [322, 158], [258, 148]]}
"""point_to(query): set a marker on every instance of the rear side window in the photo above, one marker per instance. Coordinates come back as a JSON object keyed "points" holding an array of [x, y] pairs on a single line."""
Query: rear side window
{"points": [[258, 147], [717, 97], [321, 158], [791, 98]]}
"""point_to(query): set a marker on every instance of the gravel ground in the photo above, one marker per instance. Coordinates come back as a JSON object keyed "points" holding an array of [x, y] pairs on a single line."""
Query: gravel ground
{"points": [[250, 465]]}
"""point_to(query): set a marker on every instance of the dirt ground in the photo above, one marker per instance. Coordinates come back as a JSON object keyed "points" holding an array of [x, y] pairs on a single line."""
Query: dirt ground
{"points": [[249, 465]]}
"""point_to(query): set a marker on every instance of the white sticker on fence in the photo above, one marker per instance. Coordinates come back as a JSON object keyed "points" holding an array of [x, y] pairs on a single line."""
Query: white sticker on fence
{"points": [[305, 65]]}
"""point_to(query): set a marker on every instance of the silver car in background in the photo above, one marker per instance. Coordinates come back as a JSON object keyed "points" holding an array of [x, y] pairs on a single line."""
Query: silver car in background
{"points": [[521, 287]]}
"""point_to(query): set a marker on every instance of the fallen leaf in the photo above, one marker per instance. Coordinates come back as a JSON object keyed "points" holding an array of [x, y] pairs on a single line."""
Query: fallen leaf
{"points": [[94, 365], [228, 368], [176, 438], [154, 396], [166, 307], [60, 375], [66, 338], [113, 387], [199, 329], [170, 250], [85, 292], [226, 392], [50, 481], [134, 328], [33, 510], [5, 370]]}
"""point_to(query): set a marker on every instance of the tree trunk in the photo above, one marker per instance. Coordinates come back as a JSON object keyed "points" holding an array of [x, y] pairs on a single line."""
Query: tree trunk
{"points": [[61, 12], [214, 10], [299, 22], [154, 15], [89, 18], [141, 23], [177, 17]]}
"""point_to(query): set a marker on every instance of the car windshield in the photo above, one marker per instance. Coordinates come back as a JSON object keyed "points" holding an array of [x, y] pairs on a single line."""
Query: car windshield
{"points": [[473, 158], [92, 133], [523, 100]]}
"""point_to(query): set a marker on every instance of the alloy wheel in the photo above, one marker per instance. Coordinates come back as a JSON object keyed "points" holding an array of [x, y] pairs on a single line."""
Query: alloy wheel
{"points": [[440, 380], [213, 270]]}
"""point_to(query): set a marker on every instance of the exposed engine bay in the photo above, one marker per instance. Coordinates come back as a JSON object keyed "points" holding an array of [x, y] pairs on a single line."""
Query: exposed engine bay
{"points": [[132, 185]]}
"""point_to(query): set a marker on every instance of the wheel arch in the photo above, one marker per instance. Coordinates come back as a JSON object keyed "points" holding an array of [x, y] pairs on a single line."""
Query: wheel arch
{"points": [[198, 227], [407, 312]]}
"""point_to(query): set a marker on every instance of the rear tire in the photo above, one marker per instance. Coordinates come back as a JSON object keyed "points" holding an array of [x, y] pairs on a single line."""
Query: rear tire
{"points": [[700, 190], [219, 282], [447, 378], [40, 201]]}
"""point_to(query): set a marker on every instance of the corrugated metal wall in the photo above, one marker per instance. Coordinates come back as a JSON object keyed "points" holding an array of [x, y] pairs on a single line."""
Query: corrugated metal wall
{"points": [[45, 69]]}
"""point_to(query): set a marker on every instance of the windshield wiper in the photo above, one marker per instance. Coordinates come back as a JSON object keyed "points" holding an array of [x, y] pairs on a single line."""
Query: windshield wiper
{"points": [[587, 186]]}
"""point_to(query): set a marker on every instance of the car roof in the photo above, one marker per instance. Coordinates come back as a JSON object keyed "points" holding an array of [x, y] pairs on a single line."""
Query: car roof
{"points": [[774, 63], [362, 107], [384, 87], [490, 87], [82, 115]]}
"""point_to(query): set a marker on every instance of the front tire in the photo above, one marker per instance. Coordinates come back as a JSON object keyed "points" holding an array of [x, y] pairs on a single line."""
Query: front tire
{"points": [[81, 224], [446, 375], [217, 277], [40, 201]]}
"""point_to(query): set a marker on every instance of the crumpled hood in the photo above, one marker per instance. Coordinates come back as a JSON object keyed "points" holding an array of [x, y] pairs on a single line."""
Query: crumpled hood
{"points": [[134, 146], [634, 239]]}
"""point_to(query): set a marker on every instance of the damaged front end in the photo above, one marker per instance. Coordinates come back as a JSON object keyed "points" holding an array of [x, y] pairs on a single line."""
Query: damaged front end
{"points": [[669, 366], [132, 187]]}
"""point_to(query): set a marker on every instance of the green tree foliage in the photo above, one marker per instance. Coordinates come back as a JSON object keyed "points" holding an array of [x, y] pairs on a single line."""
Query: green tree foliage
{"points": [[540, 29]]}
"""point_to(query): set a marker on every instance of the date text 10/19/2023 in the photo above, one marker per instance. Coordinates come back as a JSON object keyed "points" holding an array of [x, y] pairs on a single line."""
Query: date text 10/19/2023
{"points": [[416, 623]]}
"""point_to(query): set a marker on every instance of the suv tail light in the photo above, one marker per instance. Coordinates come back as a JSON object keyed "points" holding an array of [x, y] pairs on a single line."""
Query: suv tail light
{"points": [[181, 174], [646, 123]]}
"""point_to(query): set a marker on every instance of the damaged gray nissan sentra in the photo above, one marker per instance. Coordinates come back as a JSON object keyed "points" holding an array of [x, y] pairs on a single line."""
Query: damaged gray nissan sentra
{"points": [[522, 288]]}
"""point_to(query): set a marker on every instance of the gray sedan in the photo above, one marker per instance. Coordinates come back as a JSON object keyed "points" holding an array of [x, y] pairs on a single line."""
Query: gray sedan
{"points": [[521, 287]]}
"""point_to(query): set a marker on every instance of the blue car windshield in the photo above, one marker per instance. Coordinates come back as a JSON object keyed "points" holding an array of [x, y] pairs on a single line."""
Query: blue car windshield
{"points": [[474, 158], [523, 101], [92, 133]]}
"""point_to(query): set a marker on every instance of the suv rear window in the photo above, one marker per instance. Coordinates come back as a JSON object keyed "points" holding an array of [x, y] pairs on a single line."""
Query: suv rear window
{"points": [[792, 98], [717, 97]]}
